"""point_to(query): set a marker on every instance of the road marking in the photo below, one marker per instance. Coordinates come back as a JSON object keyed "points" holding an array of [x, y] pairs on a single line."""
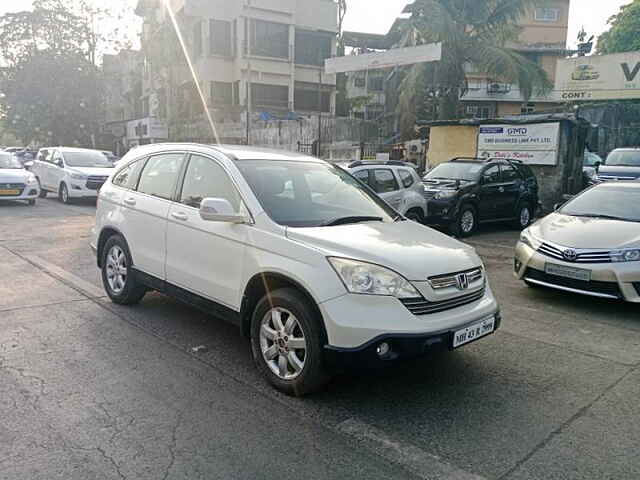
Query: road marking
{"points": [[85, 287], [414, 459]]}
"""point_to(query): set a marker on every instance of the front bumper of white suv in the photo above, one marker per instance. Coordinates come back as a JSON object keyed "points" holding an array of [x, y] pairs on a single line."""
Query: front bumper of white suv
{"points": [[370, 331]]}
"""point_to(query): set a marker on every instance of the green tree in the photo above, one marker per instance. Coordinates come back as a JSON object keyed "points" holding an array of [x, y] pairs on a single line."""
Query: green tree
{"points": [[475, 36], [624, 31]]}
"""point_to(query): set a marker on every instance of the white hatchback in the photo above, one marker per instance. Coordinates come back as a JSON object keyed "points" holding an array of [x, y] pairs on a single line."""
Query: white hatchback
{"points": [[315, 269], [16, 183]]}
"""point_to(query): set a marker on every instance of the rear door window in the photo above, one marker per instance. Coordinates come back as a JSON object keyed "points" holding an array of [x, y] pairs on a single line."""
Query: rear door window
{"points": [[363, 176], [160, 175]]}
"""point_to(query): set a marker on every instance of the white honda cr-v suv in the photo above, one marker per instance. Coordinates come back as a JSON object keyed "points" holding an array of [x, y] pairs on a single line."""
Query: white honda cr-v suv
{"points": [[314, 268]]}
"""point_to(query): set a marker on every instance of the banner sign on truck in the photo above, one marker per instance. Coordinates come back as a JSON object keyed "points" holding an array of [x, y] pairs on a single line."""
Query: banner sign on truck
{"points": [[534, 144]]}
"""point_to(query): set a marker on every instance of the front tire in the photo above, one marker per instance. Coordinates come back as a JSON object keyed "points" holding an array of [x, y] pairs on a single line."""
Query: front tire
{"points": [[117, 273], [466, 222], [43, 192], [286, 342], [63, 194], [523, 218]]}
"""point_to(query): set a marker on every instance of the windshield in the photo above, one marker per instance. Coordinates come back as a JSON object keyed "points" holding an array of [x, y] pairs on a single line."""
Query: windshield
{"points": [[455, 171], [624, 158], [608, 201], [590, 159], [312, 194], [9, 162], [87, 159]]}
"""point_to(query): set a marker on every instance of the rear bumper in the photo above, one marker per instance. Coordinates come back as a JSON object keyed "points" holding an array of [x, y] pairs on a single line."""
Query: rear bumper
{"points": [[402, 347]]}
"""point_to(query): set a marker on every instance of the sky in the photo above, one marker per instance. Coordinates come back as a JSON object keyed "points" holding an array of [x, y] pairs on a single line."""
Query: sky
{"points": [[592, 14]]}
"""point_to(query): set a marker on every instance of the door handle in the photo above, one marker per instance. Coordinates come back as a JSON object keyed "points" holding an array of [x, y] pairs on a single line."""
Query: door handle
{"points": [[501, 189], [130, 201], [180, 216]]}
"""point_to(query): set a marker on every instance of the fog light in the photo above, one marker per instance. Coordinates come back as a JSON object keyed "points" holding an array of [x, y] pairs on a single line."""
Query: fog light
{"points": [[383, 349]]}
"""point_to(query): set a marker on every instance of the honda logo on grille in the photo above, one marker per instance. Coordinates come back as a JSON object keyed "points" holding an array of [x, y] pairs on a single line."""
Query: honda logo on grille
{"points": [[462, 281]]}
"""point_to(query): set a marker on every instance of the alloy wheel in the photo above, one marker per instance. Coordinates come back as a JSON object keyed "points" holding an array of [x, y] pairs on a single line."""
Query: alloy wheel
{"points": [[467, 222], [283, 343], [116, 269]]}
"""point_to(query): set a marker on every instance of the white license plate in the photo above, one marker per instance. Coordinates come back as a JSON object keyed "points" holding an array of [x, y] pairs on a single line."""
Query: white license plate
{"points": [[568, 272], [469, 334]]}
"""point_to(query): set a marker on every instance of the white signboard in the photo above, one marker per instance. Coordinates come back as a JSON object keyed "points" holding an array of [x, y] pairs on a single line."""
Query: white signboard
{"points": [[535, 144], [599, 77], [147, 128], [391, 58]]}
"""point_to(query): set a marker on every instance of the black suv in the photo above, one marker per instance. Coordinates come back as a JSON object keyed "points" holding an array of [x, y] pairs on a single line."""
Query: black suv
{"points": [[464, 192]]}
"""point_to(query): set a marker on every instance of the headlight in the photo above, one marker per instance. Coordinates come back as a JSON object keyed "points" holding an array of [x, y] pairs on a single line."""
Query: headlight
{"points": [[446, 194], [78, 176], [369, 279], [31, 180], [625, 255], [528, 239]]}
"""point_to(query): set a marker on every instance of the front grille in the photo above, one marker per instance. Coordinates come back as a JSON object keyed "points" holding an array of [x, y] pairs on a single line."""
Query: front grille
{"points": [[420, 306], [583, 256], [429, 194], [451, 279], [95, 182], [604, 288], [12, 186]]}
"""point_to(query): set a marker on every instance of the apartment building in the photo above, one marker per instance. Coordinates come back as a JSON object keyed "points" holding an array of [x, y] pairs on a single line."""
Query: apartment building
{"points": [[262, 56], [543, 39]]}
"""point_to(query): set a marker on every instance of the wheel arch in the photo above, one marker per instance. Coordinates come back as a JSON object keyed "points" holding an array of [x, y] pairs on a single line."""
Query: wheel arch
{"points": [[105, 234], [264, 282]]}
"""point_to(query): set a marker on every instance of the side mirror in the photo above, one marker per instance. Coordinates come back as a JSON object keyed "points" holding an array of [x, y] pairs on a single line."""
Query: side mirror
{"points": [[557, 206], [58, 163], [597, 166], [220, 210]]}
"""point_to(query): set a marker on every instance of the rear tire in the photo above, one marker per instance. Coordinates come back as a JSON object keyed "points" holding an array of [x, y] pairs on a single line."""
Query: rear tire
{"points": [[118, 277], [43, 192], [286, 342]]}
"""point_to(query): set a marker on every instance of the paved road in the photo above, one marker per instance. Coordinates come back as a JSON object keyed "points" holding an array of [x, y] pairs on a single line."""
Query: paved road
{"points": [[92, 390]]}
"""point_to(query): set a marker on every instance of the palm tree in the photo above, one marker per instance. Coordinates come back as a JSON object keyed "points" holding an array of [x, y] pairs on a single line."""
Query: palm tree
{"points": [[475, 36]]}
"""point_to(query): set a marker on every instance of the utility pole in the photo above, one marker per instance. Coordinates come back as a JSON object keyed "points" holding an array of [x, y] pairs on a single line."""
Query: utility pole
{"points": [[320, 113]]}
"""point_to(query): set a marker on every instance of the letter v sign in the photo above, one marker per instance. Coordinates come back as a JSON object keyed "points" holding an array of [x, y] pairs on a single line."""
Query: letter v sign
{"points": [[630, 74]]}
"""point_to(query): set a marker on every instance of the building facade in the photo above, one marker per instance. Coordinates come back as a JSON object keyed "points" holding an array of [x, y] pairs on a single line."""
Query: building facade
{"points": [[256, 59]]}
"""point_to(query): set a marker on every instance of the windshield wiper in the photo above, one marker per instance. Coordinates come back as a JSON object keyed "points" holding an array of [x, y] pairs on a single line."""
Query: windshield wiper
{"points": [[352, 219], [605, 217]]}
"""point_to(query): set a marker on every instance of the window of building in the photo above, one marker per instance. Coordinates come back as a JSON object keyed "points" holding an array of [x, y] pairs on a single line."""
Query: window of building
{"points": [[269, 39], [360, 81], [197, 39], [374, 111], [270, 96], [220, 38], [221, 93], [160, 175], [306, 98], [478, 111], [547, 14], [312, 48], [376, 83]]}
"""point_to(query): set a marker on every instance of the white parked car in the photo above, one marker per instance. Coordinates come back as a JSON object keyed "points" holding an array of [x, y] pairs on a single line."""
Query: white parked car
{"points": [[590, 246], [16, 183], [397, 183], [72, 172], [312, 266]]}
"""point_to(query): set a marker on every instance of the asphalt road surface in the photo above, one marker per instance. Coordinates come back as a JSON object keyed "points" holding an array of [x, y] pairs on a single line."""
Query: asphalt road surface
{"points": [[91, 390]]}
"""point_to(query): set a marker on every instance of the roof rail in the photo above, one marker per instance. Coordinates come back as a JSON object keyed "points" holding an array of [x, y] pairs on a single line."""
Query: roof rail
{"points": [[393, 163]]}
